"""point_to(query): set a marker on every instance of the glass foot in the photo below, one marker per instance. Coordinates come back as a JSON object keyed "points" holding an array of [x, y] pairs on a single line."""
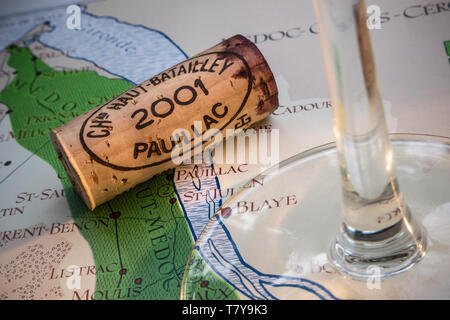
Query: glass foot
{"points": [[272, 240], [403, 245]]}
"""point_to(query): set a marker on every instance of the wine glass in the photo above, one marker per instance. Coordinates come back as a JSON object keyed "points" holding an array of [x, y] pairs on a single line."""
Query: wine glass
{"points": [[366, 217]]}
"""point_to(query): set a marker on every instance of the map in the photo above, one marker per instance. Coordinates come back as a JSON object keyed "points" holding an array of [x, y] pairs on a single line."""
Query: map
{"points": [[137, 245]]}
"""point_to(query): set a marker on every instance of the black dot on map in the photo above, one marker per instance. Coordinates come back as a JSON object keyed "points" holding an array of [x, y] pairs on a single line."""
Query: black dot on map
{"points": [[123, 271], [8, 111], [172, 200], [7, 163], [33, 58], [38, 73], [225, 212], [114, 215]]}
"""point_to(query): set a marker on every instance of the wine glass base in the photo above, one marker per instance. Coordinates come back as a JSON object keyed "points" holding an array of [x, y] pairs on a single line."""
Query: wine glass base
{"points": [[396, 254], [272, 240]]}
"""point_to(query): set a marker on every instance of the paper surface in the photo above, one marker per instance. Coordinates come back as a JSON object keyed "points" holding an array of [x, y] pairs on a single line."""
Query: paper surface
{"points": [[137, 246]]}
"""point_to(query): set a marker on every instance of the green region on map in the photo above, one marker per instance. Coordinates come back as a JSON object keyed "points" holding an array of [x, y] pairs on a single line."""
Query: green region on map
{"points": [[447, 47], [143, 233], [202, 282]]}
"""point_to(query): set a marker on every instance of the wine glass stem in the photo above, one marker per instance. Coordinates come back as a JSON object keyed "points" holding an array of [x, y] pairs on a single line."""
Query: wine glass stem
{"points": [[376, 226], [371, 198]]}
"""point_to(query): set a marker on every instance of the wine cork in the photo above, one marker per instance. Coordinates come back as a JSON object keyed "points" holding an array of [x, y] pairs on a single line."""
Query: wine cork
{"points": [[126, 141]]}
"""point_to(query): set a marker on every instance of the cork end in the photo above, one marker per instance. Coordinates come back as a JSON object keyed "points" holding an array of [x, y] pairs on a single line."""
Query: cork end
{"points": [[263, 78], [70, 169]]}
